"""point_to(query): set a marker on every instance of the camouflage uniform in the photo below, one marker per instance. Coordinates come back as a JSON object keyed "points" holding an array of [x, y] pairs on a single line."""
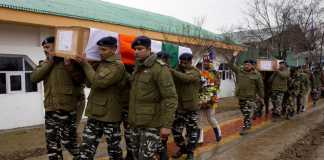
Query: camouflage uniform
{"points": [[148, 143], [279, 86], [303, 94], [294, 87], [187, 81], [249, 85], [104, 107], [62, 87], [258, 111], [92, 134], [188, 120], [316, 86], [153, 101], [61, 128]]}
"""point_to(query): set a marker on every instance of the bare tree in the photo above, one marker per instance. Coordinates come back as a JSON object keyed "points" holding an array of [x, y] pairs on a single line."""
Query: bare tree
{"points": [[285, 25]]}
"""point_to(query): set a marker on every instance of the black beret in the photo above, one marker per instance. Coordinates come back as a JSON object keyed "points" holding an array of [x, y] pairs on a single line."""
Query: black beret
{"points": [[249, 61], [48, 40], [107, 41], [283, 62], [254, 62], [143, 41], [163, 55], [186, 56]]}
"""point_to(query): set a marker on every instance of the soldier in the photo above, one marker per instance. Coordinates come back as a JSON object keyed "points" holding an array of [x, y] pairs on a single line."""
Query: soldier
{"points": [[187, 80], [62, 89], [164, 56], [294, 88], [278, 82], [104, 107], [80, 102], [249, 85], [315, 85], [153, 101], [259, 103], [303, 95]]}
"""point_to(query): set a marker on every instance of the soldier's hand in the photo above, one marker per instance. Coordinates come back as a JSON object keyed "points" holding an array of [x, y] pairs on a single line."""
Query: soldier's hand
{"points": [[80, 58], [164, 133]]}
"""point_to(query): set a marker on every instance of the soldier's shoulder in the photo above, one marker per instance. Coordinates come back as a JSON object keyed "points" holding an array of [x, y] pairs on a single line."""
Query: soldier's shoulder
{"points": [[160, 62]]}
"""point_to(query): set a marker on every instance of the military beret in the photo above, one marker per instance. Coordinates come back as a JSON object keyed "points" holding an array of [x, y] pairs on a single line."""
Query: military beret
{"points": [[254, 62], [283, 62], [186, 56], [107, 41], [143, 41], [48, 40], [249, 61], [163, 54]]}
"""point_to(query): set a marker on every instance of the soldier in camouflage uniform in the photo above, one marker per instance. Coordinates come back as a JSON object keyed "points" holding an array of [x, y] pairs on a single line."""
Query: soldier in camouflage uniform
{"points": [[187, 80], [104, 102], [249, 85], [294, 88], [305, 87], [279, 86], [259, 102], [164, 56], [153, 101], [316, 85], [63, 87]]}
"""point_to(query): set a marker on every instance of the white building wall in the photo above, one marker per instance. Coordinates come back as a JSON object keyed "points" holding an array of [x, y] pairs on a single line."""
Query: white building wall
{"points": [[21, 109], [227, 86]]}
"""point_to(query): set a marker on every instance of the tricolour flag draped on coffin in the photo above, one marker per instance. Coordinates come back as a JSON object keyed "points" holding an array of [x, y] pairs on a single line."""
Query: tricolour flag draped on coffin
{"points": [[124, 47]]}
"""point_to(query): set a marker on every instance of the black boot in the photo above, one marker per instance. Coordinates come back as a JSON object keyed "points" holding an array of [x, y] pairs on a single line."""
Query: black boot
{"points": [[218, 135]]}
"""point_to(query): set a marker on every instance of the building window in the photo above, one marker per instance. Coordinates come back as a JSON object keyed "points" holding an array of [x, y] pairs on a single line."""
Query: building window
{"points": [[3, 83], [15, 72], [226, 72], [15, 83]]}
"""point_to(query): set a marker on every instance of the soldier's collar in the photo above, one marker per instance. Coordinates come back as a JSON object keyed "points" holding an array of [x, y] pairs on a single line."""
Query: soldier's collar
{"points": [[149, 61], [112, 58]]}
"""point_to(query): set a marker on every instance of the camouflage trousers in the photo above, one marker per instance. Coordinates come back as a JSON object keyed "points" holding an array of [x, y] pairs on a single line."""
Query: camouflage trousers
{"points": [[258, 111], [186, 120], [145, 143], [277, 101], [92, 134], [61, 129], [247, 108]]}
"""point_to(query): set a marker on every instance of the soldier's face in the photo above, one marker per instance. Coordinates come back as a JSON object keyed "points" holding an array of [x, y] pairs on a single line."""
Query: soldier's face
{"points": [[48, 48], [185, 63], [106, 52], [141, 52], [248, 66]]}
